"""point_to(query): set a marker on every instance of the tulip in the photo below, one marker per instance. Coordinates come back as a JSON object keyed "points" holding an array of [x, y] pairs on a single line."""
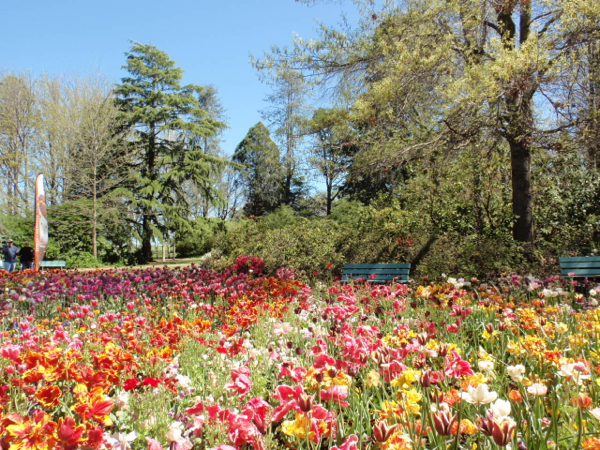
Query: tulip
{"points": [[502, 431], [382, 432], [485, 425], [305, 402], [480, 395], [443, 422], [581, 401]]}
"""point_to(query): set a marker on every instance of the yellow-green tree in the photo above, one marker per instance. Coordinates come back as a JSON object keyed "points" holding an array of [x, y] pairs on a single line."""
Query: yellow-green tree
{"points": [[444, 76]]}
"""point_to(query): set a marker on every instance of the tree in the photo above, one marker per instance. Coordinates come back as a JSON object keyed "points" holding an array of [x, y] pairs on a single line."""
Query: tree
{"points": [[262, 174], [287, 116], [57, 133], [166, 120], [492, 69], [330, 152], [18, 120], [101, 164], [200, 205]]}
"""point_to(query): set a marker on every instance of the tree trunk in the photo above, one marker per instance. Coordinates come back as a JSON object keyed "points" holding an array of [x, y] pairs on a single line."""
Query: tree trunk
{"points": [[593, 128], [94, 217], [329, 199], [519, 124], [146, 239], [520, 157]]}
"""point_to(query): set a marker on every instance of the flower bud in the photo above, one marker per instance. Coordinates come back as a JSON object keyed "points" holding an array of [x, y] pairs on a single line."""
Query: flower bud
{"points": [[443, 351], [485, 425], [381, 431], [502, 432], [306, 402], [443, 422], [425, 379]]}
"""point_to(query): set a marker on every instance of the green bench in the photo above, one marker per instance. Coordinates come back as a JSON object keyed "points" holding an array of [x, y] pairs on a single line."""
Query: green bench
{"points": [[53, 264], [376, 273], [580, 266]]}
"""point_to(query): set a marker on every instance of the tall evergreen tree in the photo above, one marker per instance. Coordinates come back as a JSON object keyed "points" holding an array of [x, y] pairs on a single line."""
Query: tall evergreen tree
{"points": [[262, 174], [165, 119]]}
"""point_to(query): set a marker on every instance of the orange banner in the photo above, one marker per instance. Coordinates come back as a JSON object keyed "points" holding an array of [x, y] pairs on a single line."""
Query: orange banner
{"points": [[40, 235]]}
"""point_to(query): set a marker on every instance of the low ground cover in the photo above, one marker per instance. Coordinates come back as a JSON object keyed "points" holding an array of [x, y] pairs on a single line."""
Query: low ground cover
{"points": [[187, 358]]}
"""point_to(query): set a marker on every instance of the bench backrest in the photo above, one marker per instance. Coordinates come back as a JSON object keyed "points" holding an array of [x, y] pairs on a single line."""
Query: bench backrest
{"points": [[57, 263], [381, 272], [581, 266]]}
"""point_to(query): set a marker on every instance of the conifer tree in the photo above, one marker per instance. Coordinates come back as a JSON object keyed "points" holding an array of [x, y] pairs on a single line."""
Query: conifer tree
{"points": [[166, 121], [262, 174]]}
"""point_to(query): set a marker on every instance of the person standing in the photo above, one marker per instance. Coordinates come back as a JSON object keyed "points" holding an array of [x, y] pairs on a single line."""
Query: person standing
{"points": [[10, 255], [26, 255]]}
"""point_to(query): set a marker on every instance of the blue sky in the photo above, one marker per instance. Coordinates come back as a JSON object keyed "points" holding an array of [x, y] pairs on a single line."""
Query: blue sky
{"points": [[211, 40]]}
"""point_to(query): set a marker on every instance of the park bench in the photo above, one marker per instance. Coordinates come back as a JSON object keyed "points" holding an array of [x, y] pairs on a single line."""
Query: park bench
{"points": [[580, 266], [53, 264], [376, 273]]}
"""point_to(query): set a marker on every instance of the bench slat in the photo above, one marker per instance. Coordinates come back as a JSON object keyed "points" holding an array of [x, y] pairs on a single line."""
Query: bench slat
{"points": [[56, 263], [403, 271], [377, 277], [581, 272], [581, 265], [566, 259], [377, 273], [377, 266]]}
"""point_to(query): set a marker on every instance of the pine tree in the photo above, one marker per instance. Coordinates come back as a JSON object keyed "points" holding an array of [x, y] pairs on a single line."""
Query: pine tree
{"points": [[166, 120], [262, 174]]}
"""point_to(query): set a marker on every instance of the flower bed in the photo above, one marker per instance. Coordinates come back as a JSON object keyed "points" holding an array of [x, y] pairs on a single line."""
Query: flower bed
{"points": [[190, 358]]}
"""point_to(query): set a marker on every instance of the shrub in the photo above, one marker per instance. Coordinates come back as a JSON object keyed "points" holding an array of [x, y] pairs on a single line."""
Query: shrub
{"points": [[82, 260], [307, 245], [200, 239], [471, 256]]}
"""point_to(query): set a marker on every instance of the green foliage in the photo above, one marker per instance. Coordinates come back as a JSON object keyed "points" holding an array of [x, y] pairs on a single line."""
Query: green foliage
{"points": [[166, 121], [567, 206], [469, 256], [200, 239], [283, 216], [81, 260], [68, 232], [17, 228], [262, 174], [304, 246]]}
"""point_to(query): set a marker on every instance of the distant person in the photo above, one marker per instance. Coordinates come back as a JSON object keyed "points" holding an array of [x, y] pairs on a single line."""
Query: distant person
{"points": [[10, 256], [26, 255]]}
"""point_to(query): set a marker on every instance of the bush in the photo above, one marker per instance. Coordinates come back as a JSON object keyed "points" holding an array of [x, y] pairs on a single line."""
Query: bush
{"points": [[306, 246], [82, 260], [466, 256], [200, 240]]}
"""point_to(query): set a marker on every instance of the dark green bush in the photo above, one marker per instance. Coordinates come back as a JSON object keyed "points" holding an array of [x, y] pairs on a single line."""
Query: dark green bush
{"points": [[200, 239], [456, 255]]}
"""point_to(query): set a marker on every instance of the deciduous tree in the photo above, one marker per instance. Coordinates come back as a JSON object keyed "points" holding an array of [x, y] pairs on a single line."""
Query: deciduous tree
{"points": [[489, 68]]}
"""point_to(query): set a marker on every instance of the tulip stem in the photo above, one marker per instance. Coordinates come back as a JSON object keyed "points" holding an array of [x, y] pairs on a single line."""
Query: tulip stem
{"points": [[458, 419], [580, 426]]}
